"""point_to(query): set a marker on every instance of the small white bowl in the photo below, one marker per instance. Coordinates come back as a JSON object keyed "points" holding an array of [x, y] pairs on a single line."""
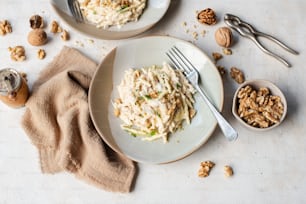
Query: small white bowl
{"points": [[256, 84]]}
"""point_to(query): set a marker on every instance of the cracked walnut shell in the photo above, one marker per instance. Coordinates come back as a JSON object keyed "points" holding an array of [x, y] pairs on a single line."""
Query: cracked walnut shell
{"points": [[207, 16], [36, 21]]}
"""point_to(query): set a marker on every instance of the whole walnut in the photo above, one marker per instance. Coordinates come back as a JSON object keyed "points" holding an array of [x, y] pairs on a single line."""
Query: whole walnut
{"points": [[37, 37], [224, 37]]}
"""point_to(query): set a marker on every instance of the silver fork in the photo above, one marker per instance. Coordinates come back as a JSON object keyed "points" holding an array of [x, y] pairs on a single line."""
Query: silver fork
{"points": [[75, 10], [181, 63]]}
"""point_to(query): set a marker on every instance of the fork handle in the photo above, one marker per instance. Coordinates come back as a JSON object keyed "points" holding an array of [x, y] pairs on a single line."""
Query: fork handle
{"points": [[229, 132]]}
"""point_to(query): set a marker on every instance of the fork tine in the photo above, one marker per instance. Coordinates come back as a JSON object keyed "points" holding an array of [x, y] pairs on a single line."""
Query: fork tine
{"points": [[181, 61], [78, 11], [75, 10], [71, 8], [184, 59], [177, 64]]}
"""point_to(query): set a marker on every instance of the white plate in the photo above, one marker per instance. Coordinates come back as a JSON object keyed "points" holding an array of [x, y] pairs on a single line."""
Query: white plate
{"points": [[141, 53], [153, 13]]}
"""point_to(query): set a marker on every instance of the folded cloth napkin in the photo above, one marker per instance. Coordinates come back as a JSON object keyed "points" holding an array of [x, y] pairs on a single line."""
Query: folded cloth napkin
{"points": [[58, 123]]}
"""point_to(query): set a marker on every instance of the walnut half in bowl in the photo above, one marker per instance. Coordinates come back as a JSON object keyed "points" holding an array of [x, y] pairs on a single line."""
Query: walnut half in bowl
{"points": [[259, 105]]}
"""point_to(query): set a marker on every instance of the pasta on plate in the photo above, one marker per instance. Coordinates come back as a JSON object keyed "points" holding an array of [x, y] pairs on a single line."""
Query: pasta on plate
{"points": [[154, 102]]}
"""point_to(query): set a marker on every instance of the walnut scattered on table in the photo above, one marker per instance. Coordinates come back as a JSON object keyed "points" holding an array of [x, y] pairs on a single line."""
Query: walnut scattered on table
{"points": [[207, 16], [217, 56], [55, 28], [221, 70], [17, 53], [205, 168], [91, 41], [65, 35], [195, 35], [41, 54], [5, 27], [203, 33], [237, 75], [79, 43], [227, 51], [228, 171]]}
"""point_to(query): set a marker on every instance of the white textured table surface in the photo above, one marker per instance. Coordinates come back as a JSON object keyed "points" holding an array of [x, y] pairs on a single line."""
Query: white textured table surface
{"points": [[269, 167]]}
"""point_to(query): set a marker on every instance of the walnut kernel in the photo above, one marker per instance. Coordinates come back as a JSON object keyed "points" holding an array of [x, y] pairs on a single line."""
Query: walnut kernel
{"points": [[17, 53], [37, 37], [217, 56], [195, 35], [5, 27], [65, 35], [207, 16], [41, 54], [203, 32], [205, 168], [228, 171], [221, 70], [223, 37], [227, 51], [55, 28], [237, 75]]}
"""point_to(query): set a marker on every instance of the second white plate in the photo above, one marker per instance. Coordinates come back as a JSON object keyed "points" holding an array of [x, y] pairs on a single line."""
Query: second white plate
{"points": [[152, 14]]}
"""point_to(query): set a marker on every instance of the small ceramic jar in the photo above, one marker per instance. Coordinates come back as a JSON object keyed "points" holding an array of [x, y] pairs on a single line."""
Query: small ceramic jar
{"points": [[14, 90]]}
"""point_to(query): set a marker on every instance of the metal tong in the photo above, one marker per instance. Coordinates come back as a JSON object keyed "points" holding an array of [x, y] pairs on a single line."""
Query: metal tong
{"points": [[248, 31]]}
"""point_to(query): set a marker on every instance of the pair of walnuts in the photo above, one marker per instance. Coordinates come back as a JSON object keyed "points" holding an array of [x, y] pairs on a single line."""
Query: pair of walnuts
{"points": [[37, 36], [223, 35]]}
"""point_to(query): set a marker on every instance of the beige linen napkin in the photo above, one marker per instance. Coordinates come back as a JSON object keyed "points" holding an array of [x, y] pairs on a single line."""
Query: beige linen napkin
{"points": [[57, 121]]}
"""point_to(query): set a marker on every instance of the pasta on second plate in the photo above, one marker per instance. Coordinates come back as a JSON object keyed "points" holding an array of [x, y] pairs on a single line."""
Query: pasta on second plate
{"points": [[106, 13]]}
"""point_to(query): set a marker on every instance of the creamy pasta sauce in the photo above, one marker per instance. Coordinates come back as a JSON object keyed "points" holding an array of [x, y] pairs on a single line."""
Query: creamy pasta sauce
{"points": [[154, 101]]}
